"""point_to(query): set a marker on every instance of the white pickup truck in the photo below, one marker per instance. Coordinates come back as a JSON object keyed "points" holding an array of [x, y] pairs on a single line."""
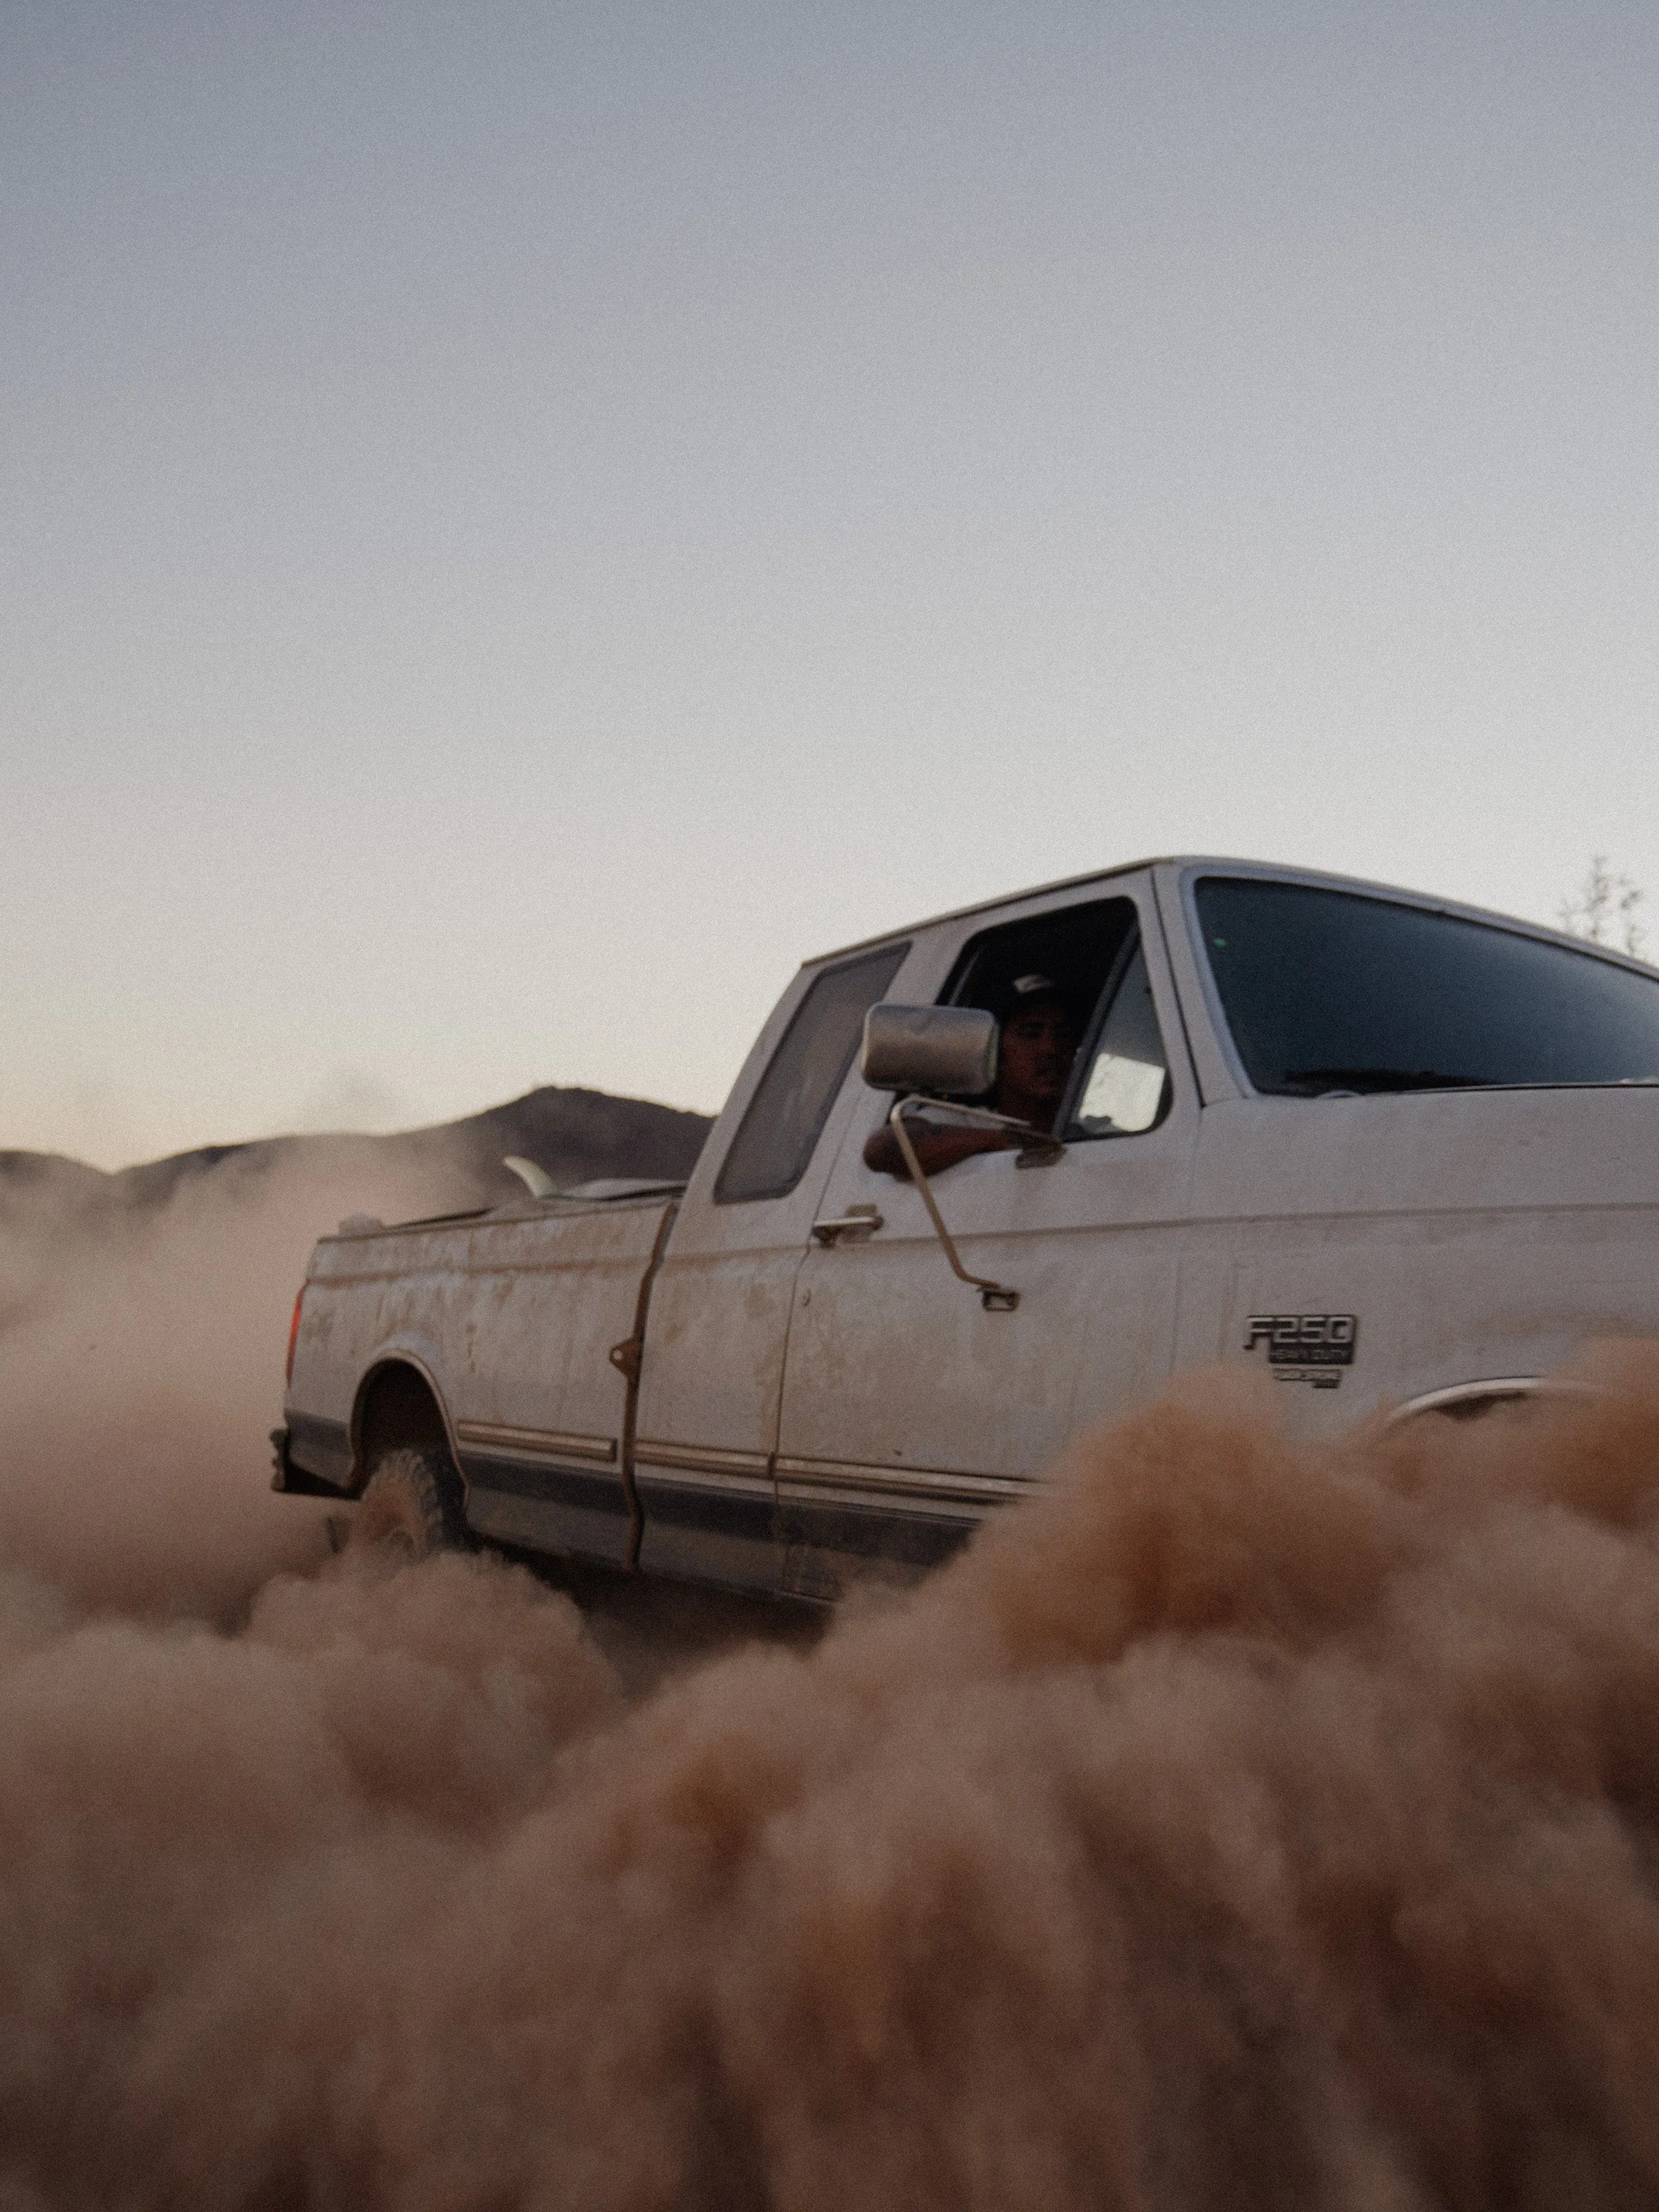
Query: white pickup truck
{"points": [[1395, 1150]]}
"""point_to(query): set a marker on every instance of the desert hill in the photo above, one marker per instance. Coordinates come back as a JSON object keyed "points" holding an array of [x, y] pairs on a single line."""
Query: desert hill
{"points": [[575, 1134]]}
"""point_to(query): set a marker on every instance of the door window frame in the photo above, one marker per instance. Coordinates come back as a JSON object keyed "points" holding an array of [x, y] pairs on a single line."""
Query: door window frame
{"points": [[1066, 1123]]}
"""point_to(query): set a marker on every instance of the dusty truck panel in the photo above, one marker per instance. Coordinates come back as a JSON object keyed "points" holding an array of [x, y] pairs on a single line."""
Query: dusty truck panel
{"points": [[370, 1295], [541, 1375], [1420, 1218], [1392, 1152], [511, 1319]]}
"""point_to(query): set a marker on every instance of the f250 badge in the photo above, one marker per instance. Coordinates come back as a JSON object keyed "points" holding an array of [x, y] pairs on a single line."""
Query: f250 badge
{"points": [[1302, 1347]]}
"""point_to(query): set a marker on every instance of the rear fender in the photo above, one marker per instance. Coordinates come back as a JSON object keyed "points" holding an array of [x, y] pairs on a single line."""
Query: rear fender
{"points": [[398, 1402]]}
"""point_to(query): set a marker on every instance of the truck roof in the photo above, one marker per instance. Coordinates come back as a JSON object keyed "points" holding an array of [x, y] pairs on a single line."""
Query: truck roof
{"points": [[1224, 861], [1130, 868]]}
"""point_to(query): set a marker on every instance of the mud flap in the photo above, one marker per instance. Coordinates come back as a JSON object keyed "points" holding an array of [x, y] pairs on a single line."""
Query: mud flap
{"points": [[294, 1481]]}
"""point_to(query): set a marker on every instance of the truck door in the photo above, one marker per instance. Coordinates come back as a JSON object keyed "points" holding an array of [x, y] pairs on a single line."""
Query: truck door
{"points": [[910, 1405], [721, 1306]]}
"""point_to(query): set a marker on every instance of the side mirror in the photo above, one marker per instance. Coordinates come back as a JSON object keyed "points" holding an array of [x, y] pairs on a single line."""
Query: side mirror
{"points": [[948, 1050]]}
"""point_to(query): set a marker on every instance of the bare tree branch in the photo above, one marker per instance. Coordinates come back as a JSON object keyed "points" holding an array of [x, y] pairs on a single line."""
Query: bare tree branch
{"points": [[1603, 911]]}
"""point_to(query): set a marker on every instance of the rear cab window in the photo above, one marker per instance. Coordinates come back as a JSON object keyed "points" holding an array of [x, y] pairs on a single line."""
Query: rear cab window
{"points": [[1330, 993], [779, 1130]]}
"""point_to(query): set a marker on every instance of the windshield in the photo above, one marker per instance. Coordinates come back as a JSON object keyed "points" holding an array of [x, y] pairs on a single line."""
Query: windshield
{"points": [[1325, 990]]}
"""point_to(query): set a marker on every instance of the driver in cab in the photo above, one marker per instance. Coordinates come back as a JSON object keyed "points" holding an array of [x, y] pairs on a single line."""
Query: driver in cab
{"points": [[1037, 1045]]}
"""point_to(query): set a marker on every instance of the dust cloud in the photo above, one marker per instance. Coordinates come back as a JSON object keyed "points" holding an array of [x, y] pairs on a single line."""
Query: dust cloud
{"points": [[141, 1348], [1242, 1823]]}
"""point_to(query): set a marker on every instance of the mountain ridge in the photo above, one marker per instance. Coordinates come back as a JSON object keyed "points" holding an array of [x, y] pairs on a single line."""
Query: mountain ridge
{"points": [[576, 1135]]}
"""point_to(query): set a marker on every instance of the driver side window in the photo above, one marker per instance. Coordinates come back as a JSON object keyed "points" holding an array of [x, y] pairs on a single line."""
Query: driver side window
{"points": [[1087, 967]]}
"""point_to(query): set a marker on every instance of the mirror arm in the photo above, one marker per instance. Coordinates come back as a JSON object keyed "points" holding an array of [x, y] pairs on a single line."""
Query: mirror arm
{"points": [[995, 1297]]}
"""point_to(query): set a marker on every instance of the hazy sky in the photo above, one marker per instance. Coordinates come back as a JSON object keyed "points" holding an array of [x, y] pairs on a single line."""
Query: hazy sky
{"points": [[519, 524]]}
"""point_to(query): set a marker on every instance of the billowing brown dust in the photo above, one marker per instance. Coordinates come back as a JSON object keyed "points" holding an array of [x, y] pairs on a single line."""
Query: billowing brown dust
{"points": [[1242, 1824], [141, 1351]]}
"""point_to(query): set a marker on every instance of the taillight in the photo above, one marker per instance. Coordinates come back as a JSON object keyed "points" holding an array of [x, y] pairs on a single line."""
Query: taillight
{"points": [[294, 1334]]}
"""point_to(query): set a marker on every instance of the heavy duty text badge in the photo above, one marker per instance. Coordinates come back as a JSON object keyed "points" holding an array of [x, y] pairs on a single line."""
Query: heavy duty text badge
{"points": [[1304, 1347]]}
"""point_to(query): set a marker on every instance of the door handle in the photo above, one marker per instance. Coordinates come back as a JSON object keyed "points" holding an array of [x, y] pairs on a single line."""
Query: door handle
{"points": [[858, 1222]]}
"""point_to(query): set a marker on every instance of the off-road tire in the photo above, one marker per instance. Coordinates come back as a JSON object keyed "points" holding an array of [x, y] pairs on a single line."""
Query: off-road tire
{"points": [[412, 1505]]}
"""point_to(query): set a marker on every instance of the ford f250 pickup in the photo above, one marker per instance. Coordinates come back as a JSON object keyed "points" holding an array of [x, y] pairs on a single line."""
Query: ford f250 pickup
{"points": [[1396, 1152]]}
